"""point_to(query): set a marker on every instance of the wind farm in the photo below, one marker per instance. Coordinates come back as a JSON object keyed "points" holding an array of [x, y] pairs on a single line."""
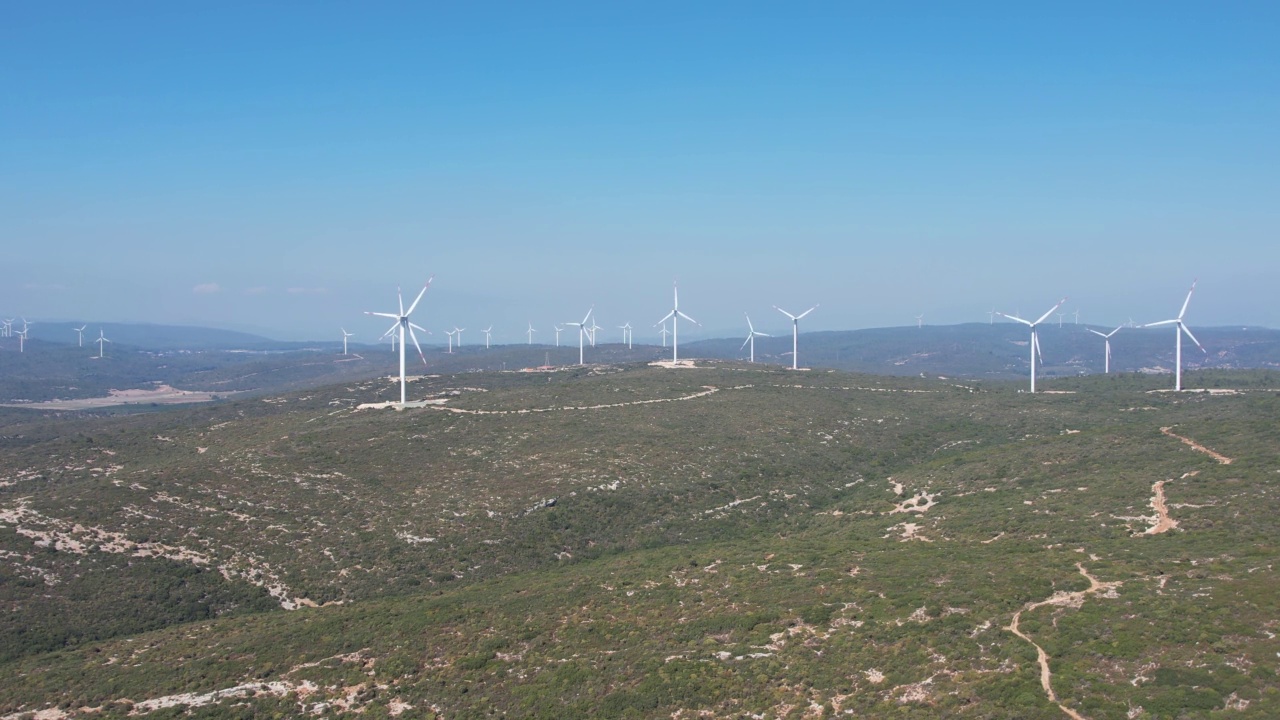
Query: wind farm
{"points": [[222, 508]]}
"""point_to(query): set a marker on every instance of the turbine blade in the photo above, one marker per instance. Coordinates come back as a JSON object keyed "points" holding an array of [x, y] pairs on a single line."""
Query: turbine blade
{"points": [[1193, 338], [1187, 302], [750, 327], [1014, 318], [1113, 332], [413, 326], [420, 294], [806, 312], [1162, 322], [393, 328], [686, 317], [1095, 332], [744, 343], [1035, 340], [1051, 310], [416, 345], [400, 298], [665, 318], [587, 317], [784, 312]]}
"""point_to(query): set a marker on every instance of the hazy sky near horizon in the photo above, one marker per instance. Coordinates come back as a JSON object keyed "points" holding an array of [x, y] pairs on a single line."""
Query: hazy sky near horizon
{"points": [[283, 167]]}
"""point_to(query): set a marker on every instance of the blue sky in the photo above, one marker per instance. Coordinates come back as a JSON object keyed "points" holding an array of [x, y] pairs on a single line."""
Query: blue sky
{"points": [[284, 168]]}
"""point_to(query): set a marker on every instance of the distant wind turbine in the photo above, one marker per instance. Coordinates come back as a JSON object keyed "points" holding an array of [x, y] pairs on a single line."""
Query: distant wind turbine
{"points": [[345, 335], [664, 332], [674, 316], [22, 340], [1035, 341], [626, 334], [402, 326], [450, 334], [1106, 366], [558, 331], [582, 330], [920, 320], [1077, 314], [531, 331], [795, 334], [594, 328], [1181, 328], [751, 338], [486, 332], [991, 316], [8, 327], [80, 332], [101, 339], [459, 330]]}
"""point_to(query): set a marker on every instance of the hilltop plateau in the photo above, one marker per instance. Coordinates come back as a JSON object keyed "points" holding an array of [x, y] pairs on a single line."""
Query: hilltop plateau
{"points": [[626, 540]]}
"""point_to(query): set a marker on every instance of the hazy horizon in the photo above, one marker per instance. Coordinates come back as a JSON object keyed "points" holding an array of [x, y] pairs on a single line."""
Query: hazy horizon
{"points": [[258, 167]]}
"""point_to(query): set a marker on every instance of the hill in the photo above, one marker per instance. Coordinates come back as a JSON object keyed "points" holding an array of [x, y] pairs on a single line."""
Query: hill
{"points": [[634, 541]]}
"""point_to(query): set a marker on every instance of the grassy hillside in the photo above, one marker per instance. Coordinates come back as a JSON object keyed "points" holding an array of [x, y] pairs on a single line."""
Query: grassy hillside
{"points": [[632, 541]]}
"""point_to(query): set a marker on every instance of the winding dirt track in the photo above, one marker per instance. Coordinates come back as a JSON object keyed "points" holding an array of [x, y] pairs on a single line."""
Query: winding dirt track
{"points": [[1197, 446], [1164, 523], [1060, 599]]}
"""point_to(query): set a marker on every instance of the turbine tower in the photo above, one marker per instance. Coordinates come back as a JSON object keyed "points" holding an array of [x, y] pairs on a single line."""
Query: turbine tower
{"points": [[582, 330], [1182, 328], [80, 332], [531, 331], [1035, 341], [459, 331], [674, 316], [402, 325], [450, 334], [751, 337], [345, 335], [101, 339], [795, 334], [558, 331], [1106, 367], [486, 332]]}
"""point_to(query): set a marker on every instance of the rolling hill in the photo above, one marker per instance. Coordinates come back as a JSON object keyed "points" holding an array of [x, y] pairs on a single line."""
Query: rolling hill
{"points": [[632, 541]]}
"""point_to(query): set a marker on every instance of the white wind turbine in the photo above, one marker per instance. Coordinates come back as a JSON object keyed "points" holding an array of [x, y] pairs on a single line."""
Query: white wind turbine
{"points": [[345, 335], [1106, 367], [1177, 385], [674, 316], [626, 333], [402, 325], [486, 332], [558, 331], [594, 327], [1035, 341], [80, 332], [795, 334], [22, 340], [751, 337], [8, 327], [459, 330], [920, 320], [101, 339], [665, 332], [582, 330], [531, 331], [450, 334]]}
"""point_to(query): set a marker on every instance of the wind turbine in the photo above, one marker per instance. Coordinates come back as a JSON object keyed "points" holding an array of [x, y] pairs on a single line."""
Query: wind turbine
{"points": [[345, 335], [751, 337], [674, 316], [8, 327], [1077, 314], [1106, 367], [450, 334], [486, 332], [795, 334], [402, 324], [101, 339], [582, 330], [80, 331], [626, 333], [920, 320], [558, 331], [991, 316], [1177, 384], [594, 328], [531, 332], [1035, 341], [665, 332], [459, 331], [22, 340]]}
